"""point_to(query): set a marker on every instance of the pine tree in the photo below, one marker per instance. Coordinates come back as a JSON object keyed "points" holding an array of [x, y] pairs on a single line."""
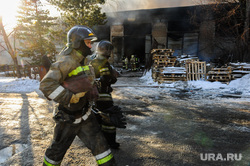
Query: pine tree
{"points": [[80, 12], [33, 31]]}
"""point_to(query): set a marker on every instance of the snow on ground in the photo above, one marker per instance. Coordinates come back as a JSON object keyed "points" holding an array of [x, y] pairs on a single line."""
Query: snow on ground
{"points": [[18, 85], [239, 86]]}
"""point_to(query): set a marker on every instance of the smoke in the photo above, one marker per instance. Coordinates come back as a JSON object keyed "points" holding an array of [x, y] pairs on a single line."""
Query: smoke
{"points": [[113, 6], [123, 5]]}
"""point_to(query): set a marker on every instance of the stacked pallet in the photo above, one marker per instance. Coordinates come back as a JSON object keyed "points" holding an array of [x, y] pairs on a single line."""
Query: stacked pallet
{"points": [[166, 52], [183, 59], [168, 74], [240, 69], [163, 61], [163, 58], [163, 66], [220, 74]]}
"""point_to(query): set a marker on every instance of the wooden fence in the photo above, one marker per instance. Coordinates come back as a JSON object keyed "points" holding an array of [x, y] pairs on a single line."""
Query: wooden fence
{"points": [[31, 71]]}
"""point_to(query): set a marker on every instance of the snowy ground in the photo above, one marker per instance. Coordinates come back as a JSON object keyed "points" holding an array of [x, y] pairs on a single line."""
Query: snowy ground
{"points": [[167, 123], [238, 87]]}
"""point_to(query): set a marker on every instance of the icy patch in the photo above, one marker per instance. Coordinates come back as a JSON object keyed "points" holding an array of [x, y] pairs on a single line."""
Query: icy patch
{"points": [[133, 128], [155, 132], [236, 127], [10, 151], [242, 128]]}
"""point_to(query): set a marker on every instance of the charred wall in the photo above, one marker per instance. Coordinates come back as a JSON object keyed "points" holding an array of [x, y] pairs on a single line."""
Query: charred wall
{"points": [[137, 32]]}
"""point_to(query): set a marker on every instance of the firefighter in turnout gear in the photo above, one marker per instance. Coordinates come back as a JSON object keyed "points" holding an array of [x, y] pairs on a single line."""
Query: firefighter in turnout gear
{"points": [[133, 63], [123, 63], [107, 75], [126, 61], [71, 85]]}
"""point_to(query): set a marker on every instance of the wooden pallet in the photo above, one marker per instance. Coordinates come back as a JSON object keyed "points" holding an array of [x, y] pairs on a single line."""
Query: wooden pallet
{"points": [[196, 70], [162, 51], [164, 63], [174, 70], [170, 79], [220, 74], [219, 80], [243, 68], [222, 77], [171, 74], [160, 56], [239, 70], [168, 60]]}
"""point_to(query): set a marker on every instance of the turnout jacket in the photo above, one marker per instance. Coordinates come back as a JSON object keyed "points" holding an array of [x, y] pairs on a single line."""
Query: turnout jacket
{"points": [[105, 72], [51, 84]]}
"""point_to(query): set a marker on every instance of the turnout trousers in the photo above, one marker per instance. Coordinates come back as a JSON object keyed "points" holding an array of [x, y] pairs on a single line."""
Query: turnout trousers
{"points": [[90, 134], [105, 101]]}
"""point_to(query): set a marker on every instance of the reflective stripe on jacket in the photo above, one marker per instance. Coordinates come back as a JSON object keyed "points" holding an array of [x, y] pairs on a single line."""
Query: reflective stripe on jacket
{"points": [[59, 71]]}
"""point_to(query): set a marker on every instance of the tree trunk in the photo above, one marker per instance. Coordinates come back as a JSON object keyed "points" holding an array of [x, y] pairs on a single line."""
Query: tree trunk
{"points": [[9, 48]]}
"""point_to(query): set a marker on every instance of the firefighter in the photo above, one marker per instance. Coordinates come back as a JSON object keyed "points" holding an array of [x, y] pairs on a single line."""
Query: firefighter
{"points": [[44, 68], [126, 63], [71, 85], [133, 63], [123, 63], [107, 75]]}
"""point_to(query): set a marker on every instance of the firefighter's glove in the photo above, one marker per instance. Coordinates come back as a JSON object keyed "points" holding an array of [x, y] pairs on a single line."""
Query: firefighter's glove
{"points": [[76, 97], [109, 89], [93, 94], [116, 117], [61, 117], [107, 80], [78, 84], [114, 72]]}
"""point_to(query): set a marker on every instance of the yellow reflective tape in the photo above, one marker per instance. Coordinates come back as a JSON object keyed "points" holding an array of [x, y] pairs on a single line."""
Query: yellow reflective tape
{"points": [[104, 95], [91, 34], [85, 68], [108, 127], [104, 69], [104, 99], [48, 164], [78, 70], [109, 131], [104, 154], [105, 159]]}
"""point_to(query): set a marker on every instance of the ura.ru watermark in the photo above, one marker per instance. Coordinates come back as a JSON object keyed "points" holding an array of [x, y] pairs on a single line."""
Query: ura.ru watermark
{"points": [[220, 157]]}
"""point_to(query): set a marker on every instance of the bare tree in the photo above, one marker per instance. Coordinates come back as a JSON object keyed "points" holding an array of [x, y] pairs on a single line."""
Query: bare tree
{"points": [[9, 48], [231, 19]]}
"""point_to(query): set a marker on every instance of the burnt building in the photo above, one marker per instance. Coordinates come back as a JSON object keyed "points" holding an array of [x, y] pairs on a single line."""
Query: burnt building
{"points": [[137, 32]]}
